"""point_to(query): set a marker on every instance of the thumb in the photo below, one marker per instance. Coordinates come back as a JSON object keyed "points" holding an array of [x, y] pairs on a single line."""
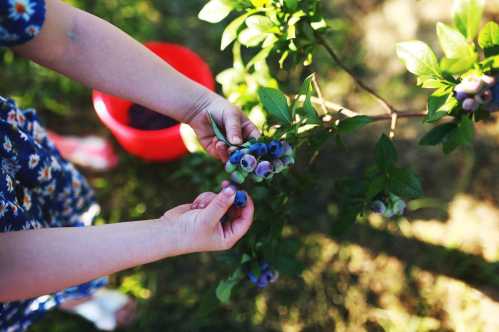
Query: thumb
{"points": [[219, 205]]}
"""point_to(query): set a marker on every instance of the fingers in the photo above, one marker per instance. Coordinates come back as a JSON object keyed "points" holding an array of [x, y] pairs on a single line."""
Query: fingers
{"points": [[203, 200], [222, 151], [235, 229], [219, 205], [249, 129], [232, 123]]}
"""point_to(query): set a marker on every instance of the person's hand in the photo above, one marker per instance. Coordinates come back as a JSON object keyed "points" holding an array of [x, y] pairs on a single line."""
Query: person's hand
{"points": [[229, 118], [198, 224]]}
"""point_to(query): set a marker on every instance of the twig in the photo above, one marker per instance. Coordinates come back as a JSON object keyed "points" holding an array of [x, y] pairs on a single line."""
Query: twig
{"points": [[333, 107], [319, 92], [393, 125], [390, 109]]}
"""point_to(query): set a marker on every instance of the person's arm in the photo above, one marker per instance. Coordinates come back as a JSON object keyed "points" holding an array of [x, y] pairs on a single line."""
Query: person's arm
{"points": [[96, 53], [42, 261]]}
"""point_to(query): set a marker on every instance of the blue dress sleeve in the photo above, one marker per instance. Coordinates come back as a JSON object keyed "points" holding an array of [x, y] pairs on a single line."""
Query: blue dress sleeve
{"points": [[20, 20]]}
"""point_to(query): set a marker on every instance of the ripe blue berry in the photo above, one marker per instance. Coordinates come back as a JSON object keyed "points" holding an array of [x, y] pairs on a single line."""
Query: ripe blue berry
{"points": [[378, 207], [264, 169], [460, 95], [288, 160], [258, 149], [241, 199], [287, 149], [278, 165], [495, 91], [484, 97], [267, 276], [470, 105], [275, 149], [235, 156], [248, 163]]}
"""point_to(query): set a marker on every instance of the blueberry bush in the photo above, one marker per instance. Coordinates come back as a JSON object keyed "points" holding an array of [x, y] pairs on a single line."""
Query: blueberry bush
{"points": [[279, 35]]}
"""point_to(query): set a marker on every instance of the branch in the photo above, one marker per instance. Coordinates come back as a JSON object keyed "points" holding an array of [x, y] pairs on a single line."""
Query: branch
{"points": [[337, 108], [390, 109]]}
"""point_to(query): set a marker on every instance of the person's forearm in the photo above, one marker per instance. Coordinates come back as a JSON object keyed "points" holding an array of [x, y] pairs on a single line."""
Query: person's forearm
{"points": [[101, 56], [38, 262]]}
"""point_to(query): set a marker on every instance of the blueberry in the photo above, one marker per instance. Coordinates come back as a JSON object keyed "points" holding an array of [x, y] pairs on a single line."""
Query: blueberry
{"points": [[287, 149], [278, 165], [257, 178], [266, 276], [235, 156], [460, 95], [238, 177], [240, 199], [288, 160], [470, 105], [258, 149], [484, 97], [275, 149], [495, 92], [248, 163], [378, 207], [230, 167], [399, 207], [471, 84], [264, 169], [490, 81], [252, 277]]}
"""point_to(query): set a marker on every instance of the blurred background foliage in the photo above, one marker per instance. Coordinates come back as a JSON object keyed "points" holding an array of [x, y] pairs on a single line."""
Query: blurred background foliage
{"points": [[436, 269]]}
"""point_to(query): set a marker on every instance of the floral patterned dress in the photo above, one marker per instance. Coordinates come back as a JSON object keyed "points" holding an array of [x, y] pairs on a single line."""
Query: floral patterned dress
{"points": [[38, 188]]}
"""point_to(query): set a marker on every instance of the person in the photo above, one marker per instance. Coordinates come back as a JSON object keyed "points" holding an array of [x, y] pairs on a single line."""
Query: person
{"points": [[44, 199]]}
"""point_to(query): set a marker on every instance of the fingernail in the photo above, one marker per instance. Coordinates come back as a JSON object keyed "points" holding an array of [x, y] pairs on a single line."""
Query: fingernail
{"points": [[229, 192], [201, 206], [236, 140]]}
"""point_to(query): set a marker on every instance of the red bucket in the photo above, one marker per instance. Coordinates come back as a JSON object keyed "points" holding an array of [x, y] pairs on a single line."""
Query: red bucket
{"points": [[153, 145]]}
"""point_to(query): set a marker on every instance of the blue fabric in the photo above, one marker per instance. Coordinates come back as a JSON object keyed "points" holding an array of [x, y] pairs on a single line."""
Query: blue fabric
{"points": [[38, 189], [20, 20]]}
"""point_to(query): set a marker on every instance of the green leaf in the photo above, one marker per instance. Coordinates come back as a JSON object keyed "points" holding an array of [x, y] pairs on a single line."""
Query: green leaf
{"points": [[453, 43], [260, 56], [224, 288], [251, 37], [375, 186], [218, 133], [276, 105], [230, 32], [440, 104], [306, 89], [405, 183], [437, 134], [386, 154], [259, 22], [457, 66], [419, 59], [356, 122], [461, 135], [467, 15], [215, 11], [489, 39], [291, 4]]}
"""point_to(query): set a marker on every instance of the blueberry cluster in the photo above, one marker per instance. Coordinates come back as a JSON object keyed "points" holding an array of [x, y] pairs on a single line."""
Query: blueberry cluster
{"points": [[266, 276], [259, 160], [478, 91], [389, 206]]}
